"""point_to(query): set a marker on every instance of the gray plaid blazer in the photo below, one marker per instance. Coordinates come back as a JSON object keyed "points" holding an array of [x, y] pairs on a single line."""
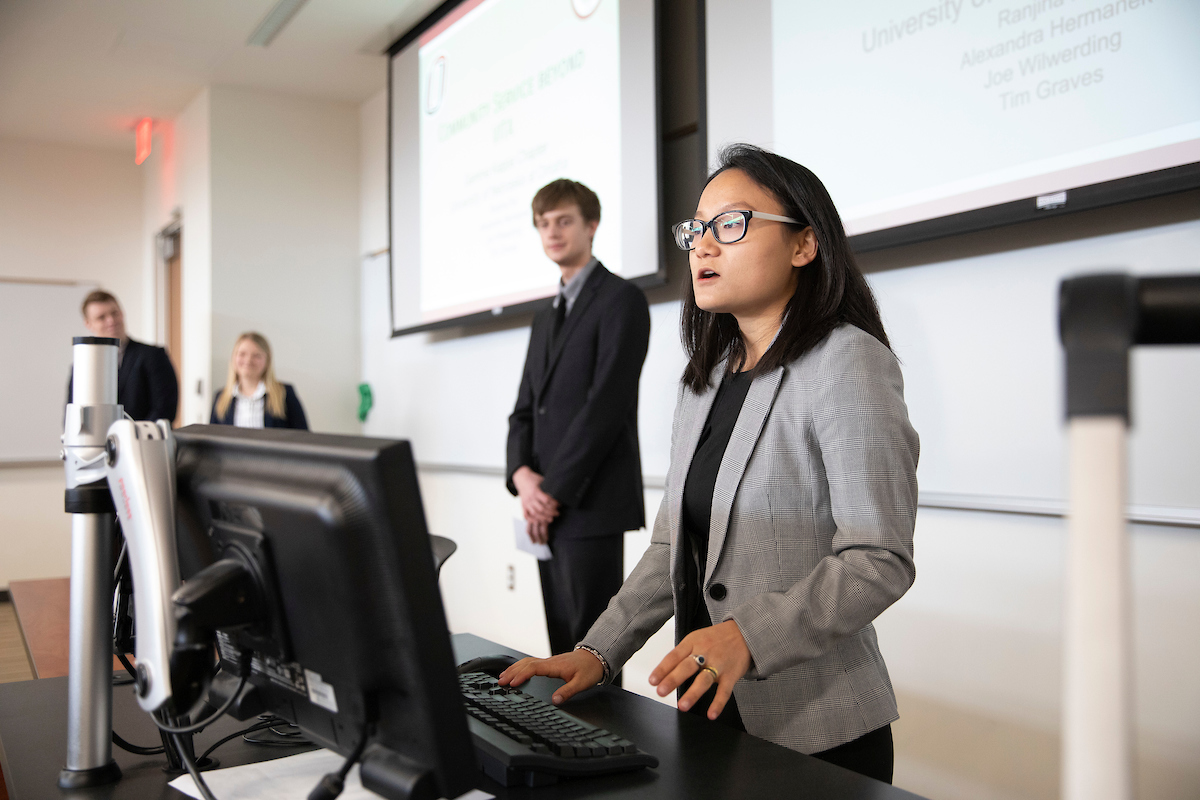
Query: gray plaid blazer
{"points": [[811, 539]]}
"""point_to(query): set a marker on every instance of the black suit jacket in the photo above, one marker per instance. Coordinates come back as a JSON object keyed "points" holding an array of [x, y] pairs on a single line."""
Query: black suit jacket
{"points": [[575, 421], [293, 412], [146, 383]]}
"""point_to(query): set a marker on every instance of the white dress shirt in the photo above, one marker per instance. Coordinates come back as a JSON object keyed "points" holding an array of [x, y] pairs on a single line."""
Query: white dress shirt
{"points": [[248, 411]]}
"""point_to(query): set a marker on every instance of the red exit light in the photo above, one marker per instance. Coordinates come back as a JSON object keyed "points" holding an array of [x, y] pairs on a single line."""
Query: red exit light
{"points": [[142, 134]]}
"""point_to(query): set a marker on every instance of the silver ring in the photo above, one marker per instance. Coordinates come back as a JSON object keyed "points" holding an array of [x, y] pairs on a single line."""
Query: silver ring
{"points": [[699, 659]]}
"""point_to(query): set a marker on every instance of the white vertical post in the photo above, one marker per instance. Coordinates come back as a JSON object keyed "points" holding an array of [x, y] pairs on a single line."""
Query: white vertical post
{"points": [[1098, 671]]}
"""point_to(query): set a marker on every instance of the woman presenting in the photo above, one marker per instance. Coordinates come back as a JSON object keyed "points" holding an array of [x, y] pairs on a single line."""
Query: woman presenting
{"points": [[787, 522], [252, 397]]}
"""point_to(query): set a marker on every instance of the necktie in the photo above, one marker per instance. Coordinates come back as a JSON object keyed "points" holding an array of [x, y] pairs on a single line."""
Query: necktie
{"points": [[560, 314]]}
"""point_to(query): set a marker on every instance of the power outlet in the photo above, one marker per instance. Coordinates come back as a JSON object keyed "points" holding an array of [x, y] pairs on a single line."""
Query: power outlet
{"points": [[511, 578]]}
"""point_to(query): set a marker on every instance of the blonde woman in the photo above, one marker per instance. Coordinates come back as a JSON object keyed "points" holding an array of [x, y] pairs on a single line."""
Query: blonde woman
{"points": [[252, 397]]}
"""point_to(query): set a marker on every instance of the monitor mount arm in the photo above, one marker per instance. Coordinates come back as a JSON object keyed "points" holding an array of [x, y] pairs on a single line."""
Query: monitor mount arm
{"points": [[141, 478], [176, 624]]}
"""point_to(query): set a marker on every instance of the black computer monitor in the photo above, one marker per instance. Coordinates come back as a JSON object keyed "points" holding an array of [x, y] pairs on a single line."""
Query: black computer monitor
{"points": [[351, 629]]}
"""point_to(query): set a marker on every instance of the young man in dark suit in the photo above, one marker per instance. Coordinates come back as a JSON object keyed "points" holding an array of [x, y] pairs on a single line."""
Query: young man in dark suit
{"points": [[146, 383], [573, 454]]}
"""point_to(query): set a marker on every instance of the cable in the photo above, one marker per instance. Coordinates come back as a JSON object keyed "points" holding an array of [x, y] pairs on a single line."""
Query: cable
{"points": [[332, 784], [287, 734], [190, 765], [258, 726], [196, 727], [120, 560], [287, 738], [244, 658], [296, 740], [116, 738], [136, 749], [128, 667]]}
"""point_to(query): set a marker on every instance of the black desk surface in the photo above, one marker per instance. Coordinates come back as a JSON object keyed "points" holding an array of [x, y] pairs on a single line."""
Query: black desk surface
{"points": [[697, 758]]}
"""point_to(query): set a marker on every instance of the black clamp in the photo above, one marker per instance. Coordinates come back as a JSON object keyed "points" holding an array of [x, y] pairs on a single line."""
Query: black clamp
{"points": [[1102, 316]]}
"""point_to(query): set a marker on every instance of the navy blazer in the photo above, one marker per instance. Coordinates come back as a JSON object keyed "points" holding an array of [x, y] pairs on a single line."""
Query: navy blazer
{"points": [[575, 420], [146, 383], [293, 412]]}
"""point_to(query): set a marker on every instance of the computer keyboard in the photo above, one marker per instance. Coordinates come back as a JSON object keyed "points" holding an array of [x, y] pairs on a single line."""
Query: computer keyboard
{"points": [[521, 739]]}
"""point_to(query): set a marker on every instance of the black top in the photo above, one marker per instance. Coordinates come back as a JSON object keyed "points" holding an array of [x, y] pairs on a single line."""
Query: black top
{"points": [[702, 480], [697, 514]]}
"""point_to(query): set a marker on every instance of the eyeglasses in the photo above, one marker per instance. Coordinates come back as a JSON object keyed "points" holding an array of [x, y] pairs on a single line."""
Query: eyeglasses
{"points": [[726, 228]]}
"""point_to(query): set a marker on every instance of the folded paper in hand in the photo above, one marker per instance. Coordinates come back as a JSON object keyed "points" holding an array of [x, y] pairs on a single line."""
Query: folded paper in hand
{"points": [[539, 551]]}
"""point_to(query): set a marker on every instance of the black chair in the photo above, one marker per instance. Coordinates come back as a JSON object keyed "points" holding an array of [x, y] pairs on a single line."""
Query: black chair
{"points": [[443, 548]]}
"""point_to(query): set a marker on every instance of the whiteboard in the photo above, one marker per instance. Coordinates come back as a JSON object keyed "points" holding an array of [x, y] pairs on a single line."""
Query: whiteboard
{"points": [[983, 370], [978, 342], [37, 323]]}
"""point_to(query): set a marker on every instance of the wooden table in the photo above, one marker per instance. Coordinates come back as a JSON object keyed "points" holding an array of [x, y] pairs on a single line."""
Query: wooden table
{"points": [[43, 609]]}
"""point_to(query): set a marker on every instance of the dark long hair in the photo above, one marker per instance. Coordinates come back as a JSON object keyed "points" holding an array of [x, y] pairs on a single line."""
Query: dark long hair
{"points": [[831, 290]]}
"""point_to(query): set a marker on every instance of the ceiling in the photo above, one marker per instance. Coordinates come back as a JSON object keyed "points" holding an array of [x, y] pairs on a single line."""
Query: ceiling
{"points": [[84, 71]]}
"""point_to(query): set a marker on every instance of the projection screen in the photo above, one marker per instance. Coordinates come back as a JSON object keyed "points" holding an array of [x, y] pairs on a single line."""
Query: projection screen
{"points": [[489, 101], [932, 117]]}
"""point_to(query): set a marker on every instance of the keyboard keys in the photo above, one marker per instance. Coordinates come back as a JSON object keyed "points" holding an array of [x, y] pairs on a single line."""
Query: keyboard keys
{"points": [[541, 727], [595, 748]]}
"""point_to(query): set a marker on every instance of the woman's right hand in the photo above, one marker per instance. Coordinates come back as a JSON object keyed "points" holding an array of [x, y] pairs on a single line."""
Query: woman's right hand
{"points": [[579, 668]]}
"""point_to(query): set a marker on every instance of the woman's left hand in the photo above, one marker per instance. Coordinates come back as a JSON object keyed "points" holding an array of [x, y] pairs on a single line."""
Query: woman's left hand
{"points": [[724, 650]]}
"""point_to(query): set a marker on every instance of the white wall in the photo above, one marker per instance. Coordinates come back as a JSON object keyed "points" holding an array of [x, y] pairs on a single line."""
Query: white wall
{"points": [[74, 213], [178, 184], [973, 649], [285, 241], [372, 158], [266, 188], [66, 213]]}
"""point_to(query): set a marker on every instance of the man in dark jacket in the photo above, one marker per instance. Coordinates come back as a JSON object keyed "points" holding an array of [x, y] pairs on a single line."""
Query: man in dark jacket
{"points": [[573, 454], [146, 383]]}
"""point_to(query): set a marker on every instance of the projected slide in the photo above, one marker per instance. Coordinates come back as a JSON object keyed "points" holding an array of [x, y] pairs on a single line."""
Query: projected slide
{"points": [[915, 109], [489, 101], [499, 122]]}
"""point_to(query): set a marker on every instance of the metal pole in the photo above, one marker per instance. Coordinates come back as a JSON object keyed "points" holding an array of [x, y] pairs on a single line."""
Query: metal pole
{"points": [[89, 682], [89, 690]]}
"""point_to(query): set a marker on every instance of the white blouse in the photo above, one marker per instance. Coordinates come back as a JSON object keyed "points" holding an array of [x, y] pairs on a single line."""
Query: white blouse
{"points": [[248, 411]]}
